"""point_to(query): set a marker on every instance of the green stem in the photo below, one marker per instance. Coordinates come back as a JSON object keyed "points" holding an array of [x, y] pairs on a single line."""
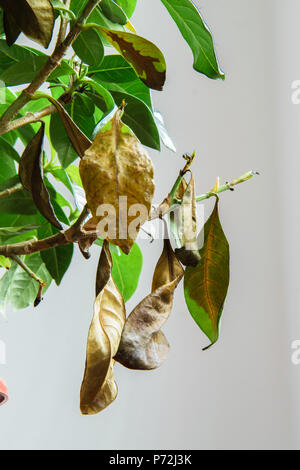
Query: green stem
{"points": [[14, 189], [227, 186]]}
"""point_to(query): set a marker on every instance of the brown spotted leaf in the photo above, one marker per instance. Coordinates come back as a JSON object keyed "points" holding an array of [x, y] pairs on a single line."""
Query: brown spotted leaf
{"points": [[206, 285], [77, 138], [31, 176], [35, 18], [99, 389], [145, 57], [117, 176], [143, 345], [186, 221]]}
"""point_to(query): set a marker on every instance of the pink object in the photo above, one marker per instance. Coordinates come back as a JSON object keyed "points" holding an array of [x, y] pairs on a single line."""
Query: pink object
{"points": [[3, 392]]}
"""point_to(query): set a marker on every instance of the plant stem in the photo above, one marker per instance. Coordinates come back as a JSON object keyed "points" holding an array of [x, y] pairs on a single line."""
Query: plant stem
{"points": [[52, 63], [12, 190], [227, 186]]}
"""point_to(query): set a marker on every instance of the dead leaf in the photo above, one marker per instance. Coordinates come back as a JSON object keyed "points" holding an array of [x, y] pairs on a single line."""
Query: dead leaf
{"points": [[186, 219], [99, 388], [31, 176], [35, 18], [143, 345], [116, 171]]}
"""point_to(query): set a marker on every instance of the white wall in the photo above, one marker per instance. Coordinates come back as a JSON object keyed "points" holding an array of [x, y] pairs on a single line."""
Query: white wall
{"points": [[241, 393]]}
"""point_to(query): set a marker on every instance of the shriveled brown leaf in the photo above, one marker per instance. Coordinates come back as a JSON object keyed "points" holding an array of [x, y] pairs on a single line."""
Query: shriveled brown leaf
{"points": [[114, 168], [35, 18], [143, 345], [31, 176], [77, 138], [99, 388], [186, 221]]}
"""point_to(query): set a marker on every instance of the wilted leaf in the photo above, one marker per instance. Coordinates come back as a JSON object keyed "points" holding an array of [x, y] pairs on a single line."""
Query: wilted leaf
{"points": [[31, 176], [117, 175], [143, 345], [197, 35], [98, 388], [206, 285], [11, 29], [35, 18], [147, 60], [77, 138], [186, 219]]}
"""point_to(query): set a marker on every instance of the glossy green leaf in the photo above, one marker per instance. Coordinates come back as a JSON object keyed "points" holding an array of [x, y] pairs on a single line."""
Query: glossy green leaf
{"points": [[8, 152], [20, 202], [113, 69], [58, 259], [128, 6], [206, 285], [89, 47], [6, 233], [26, 70], [18, 53], [138, 116], [61, 142], [197, 35], [127, 270], [113, 12], [18, 288], [144, 56]]}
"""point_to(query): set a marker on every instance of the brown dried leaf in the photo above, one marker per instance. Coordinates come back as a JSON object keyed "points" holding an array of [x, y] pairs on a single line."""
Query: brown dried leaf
{"points": [[31, 176], [143, 345], [77, 138], [99, 388], [35, 18], [114, 168], [186, 222], [12, 30]]}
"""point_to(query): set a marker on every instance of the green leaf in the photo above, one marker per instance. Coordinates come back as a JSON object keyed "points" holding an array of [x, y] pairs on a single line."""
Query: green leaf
{"points": [[61, 142], [18, 288], [197, 35], [166, 139], [206, 285], [135, 88], [58, 259], [113, 12], [18, 203], [126, 271], [113, 69], [128, 6], [26, 70], [5, 262], [89, 47], [139, 118], [18, 53], [144, 56], [6, 233], [101, 96]]}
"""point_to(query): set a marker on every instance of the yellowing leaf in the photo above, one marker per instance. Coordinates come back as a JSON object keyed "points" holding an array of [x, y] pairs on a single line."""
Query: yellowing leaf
{"points": [[31, 176], [117, 174], [206, 285], [143, 345], [5, 262], [35, 18], [99, 388], [145, 57]]}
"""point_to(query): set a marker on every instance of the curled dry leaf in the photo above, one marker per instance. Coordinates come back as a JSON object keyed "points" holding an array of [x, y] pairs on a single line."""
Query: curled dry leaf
{"points": [[31, 176], [35, 18], [145, 57], [206, 285], [186, 221], [99, 388], [117, 176], [77, 138], [143, 345]]}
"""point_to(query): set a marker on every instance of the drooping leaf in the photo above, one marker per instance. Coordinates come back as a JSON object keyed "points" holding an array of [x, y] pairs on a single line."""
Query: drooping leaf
{"points": [[143, 345], [186, 221], [31, 176], [117, 171], [77, 138], [197, 35], [99, 388], [145, 57], [57, 260], [206, 285], [89, 47], [126, 271], [18, 288], [35, 18]]}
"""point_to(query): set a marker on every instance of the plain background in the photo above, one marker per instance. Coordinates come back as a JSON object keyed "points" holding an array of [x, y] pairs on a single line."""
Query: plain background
{"points": [[244, 392]]}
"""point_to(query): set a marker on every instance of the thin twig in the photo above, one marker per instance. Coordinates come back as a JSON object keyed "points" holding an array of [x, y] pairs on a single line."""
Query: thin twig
{"points": [[12, 190]]}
